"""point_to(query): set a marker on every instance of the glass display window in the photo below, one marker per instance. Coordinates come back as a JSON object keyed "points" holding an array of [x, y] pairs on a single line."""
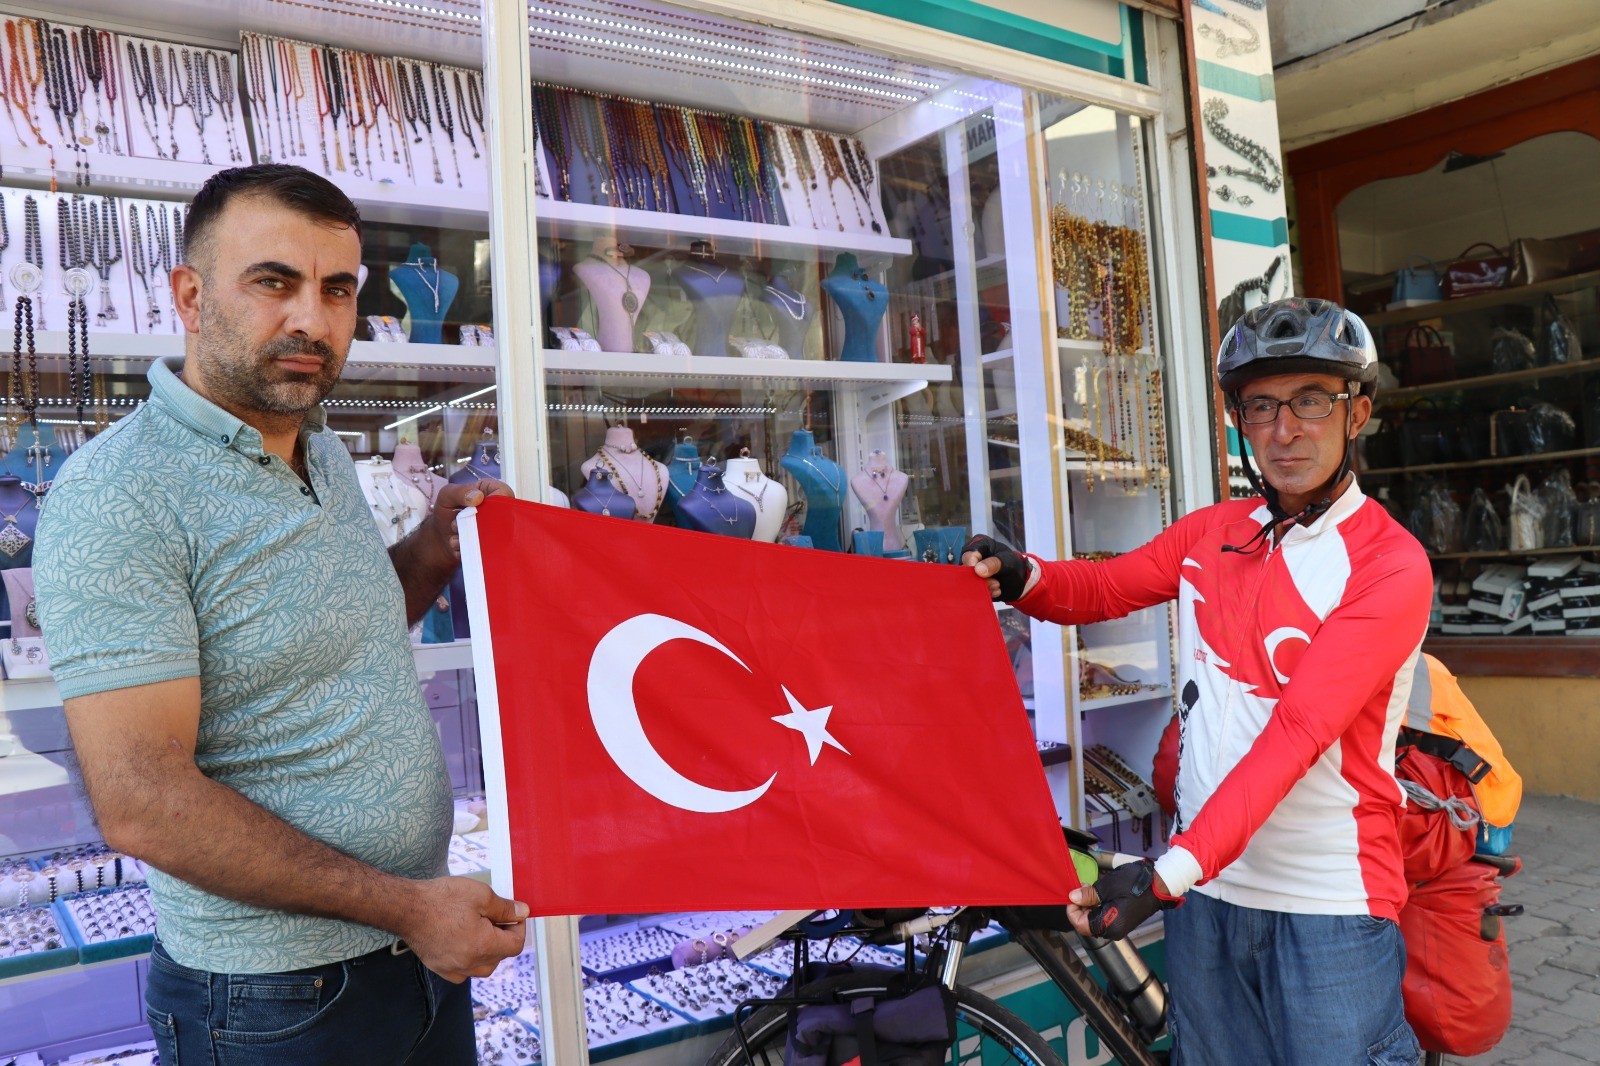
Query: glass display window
{"points": [[790, 288]]}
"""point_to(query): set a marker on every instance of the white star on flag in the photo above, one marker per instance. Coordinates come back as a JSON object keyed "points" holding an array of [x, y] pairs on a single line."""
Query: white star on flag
{"points": [[812, 724]]}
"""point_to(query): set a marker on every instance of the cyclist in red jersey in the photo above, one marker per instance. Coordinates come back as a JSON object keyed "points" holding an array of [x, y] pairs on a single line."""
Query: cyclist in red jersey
{"points": [[1300, 616]]}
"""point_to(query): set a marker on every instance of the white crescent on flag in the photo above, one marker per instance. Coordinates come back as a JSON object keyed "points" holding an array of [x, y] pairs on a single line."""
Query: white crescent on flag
{"points": [[616, 717]]}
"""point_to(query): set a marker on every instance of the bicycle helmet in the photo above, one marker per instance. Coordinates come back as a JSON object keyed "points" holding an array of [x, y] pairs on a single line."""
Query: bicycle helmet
{"points": [[1298, 335]]}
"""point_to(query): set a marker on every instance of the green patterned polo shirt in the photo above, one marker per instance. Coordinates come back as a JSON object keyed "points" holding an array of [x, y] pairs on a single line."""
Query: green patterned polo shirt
{"points": [[172, 546]]}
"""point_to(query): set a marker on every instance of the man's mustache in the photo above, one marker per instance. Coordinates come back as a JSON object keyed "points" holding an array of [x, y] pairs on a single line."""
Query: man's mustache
{"points": [[289, 346]]}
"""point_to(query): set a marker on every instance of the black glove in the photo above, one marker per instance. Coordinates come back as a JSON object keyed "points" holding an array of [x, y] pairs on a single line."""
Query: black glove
{"points": [[1127, 897], [1013, 575]]}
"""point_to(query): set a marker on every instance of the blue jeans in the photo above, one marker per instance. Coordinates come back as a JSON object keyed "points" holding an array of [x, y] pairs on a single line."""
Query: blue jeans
{"points": [[1254, 986], [379, 1007]]}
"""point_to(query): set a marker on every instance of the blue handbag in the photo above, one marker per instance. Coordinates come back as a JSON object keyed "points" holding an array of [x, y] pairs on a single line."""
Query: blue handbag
{"points": [[1418, 283]]}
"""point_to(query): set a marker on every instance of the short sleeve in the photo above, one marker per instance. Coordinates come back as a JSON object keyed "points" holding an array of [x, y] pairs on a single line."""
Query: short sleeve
{"points": [[113, 591]]}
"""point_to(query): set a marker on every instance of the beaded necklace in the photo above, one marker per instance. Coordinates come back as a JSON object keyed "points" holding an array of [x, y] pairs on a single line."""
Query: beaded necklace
{"points": [[378, 100], [24, 78], [220, 92], [326, 69], [113, 65], [323, 99], [28, 276], [294, 89], [446, 114], [144, 90], [92, 62], [621, 476], [679, 128], [462, 109], [256, 89], [1266, 173], [105, 249], [357, 108], [794, 141], [57, 64], [419, 93], [832, 170], [860, 170], [24, 387], [547, 119], [198, 94], [140, 262]]}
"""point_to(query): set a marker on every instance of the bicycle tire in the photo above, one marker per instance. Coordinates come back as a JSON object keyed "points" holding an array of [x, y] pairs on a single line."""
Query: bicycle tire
{"points": [[1100, 1010], [767, 1028]]}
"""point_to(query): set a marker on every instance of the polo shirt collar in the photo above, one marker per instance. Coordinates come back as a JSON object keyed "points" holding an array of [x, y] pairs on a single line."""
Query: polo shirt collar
{"points": [[171, 395]]}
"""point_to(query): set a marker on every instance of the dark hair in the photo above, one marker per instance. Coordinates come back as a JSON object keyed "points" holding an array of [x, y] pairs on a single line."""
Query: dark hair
{"points": [[294, 187]]}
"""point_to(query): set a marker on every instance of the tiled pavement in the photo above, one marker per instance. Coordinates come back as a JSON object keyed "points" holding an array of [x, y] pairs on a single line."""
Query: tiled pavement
{"points": [[1555, 946]]}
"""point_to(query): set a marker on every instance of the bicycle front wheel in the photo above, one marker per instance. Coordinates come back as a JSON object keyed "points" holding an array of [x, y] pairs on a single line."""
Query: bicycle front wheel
{"points": [[986, 1033]]}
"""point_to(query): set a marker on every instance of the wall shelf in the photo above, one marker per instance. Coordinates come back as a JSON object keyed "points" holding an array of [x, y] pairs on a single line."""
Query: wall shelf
{"points": [[633, 368], [1504, 460], [1485, 381], [1484, 301], [1505, 554], [453, 207], [1159, 692]]}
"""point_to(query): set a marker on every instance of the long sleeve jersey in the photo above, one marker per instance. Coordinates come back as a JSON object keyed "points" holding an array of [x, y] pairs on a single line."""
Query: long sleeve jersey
{"points": [[1294, 666]]}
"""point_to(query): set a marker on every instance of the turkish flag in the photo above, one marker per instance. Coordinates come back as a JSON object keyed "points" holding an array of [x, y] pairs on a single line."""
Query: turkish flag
{"points": [[692, 722]]}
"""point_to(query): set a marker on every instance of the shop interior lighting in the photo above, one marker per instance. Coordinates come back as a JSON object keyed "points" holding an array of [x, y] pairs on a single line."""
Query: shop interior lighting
{"points": [[439, 407]]}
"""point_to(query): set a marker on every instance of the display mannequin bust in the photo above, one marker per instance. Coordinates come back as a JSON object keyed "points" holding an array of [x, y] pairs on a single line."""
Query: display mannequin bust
{"points": [[715, 290], [618, 290], [631, 470], [683, 470], [862, 302], [822, 482], [600, 495], [35, 457], [428, 292], [710, 508], [792, 311], [881, 488], [743, 477], [410, 468]]}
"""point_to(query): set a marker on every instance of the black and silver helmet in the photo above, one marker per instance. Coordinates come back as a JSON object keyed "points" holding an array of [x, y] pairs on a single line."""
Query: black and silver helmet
{"points": [[1298, 335]]}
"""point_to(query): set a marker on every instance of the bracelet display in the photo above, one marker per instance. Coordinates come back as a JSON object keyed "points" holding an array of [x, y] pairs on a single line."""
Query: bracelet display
{"points": [[386, 329]]}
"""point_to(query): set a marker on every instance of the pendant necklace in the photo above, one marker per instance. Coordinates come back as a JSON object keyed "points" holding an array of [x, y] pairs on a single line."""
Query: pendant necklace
{"points": [[13, 539], [755, 497], [630, 301], [433, 286], [832, 485], [733, 519], [718, 276], [882, 481], [620, 473], [794, 305]]}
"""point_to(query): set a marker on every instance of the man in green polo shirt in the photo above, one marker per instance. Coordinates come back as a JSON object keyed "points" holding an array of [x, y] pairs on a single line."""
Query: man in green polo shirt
{"points": [[229, 636]]}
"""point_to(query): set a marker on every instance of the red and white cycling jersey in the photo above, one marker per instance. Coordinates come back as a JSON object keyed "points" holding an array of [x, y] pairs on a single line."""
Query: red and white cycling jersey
{"points": [[1294, 667]]}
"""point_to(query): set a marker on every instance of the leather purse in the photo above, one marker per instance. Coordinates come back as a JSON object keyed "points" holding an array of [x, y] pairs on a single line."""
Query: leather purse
{"points": [[1427, 359], [1414, 283], [1469, 275], [1541, 259]]}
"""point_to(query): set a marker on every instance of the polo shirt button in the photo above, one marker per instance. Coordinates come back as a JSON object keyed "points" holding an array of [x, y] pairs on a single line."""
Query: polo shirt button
{"points": [[304, 491], [224, 438], [264, 460]]}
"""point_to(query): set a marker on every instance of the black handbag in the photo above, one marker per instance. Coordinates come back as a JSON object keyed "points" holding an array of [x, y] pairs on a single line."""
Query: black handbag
{"points": [[1427, 435]]}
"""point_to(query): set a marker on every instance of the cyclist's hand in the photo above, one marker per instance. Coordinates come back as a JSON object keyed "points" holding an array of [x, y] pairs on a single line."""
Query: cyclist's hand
{"points": [[1120, 901], [1002, 566]]}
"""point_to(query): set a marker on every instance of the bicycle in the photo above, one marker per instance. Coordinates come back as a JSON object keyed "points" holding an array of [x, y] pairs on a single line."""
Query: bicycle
{"points": [[1128, 1013]]}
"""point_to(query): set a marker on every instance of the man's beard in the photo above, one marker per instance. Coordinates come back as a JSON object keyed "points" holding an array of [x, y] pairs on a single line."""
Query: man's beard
{"points": [[252, 381]]}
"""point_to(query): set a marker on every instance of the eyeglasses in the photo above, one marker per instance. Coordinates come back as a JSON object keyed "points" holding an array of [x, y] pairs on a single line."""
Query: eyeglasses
{"points": [[1260, 410]]}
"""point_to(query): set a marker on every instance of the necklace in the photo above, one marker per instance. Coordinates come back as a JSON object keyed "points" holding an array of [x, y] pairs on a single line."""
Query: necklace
{"points": [[755, 497], [21, 86], [621, 474], [826, 480], [5, 242], [718, 489], [355, 108], [467, 117], [92, 61], [220, 89], [718, 276], [13, 540], [422, 478], [1266, 173], [420, 266], [794, 305], [630, 300], [881, 480], [445, 114], [105, 250], [144, 91]]}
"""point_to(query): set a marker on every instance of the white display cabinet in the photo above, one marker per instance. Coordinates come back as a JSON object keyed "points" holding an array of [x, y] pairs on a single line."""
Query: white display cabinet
{"points": [[893, 172]]}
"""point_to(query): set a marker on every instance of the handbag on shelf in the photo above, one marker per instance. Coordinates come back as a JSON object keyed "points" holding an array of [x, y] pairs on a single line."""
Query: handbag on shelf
{"points": [[1541, 259], [1414, 284], [1511, 351], [1526, 517], [1427, 359], [1427, 435], [1470, 275], [1484, 531], [1561, 344]]}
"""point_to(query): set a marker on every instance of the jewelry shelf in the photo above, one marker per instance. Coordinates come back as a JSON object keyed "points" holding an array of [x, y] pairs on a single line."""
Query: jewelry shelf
{"points": [[626, 368], [1091, 346], [1484, 381], [1485, 301], [445, 362], [381, 201], [1504, 460], [41, 693], [1159, 692]]}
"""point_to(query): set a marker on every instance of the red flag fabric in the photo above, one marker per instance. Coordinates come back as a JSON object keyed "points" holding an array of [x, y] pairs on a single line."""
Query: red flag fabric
{"points": [[693, 722]]}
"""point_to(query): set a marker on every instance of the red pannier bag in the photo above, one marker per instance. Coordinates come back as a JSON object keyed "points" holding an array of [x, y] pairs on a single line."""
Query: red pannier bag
{"points": [[1458, 979], [1429, 843]]}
